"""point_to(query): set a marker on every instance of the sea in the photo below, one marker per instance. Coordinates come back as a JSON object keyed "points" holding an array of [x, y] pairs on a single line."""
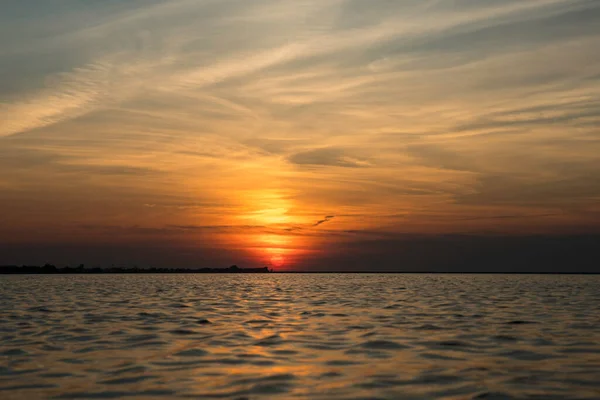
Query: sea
{"points": [[300, 336]]}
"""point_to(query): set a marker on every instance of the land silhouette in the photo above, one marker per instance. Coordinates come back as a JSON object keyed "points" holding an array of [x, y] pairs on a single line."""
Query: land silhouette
{"points": [[52, 269]]}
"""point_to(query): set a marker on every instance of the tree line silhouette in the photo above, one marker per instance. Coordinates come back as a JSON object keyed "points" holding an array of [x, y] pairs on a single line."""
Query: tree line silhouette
{"points": [[52, 269]]}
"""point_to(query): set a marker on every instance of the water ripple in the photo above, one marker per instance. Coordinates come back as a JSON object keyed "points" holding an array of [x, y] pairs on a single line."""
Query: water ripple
{"points": [[320, 337]]}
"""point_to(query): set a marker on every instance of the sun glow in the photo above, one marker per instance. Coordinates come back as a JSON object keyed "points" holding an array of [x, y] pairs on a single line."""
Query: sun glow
{"points": [[277, 257], [271, 216], [274, 249], [269, 207], [277, 260], [274, 240], [271, 213]]}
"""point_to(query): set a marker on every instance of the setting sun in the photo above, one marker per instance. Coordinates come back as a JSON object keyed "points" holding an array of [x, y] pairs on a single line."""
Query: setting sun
{"points": [[277, 260]]}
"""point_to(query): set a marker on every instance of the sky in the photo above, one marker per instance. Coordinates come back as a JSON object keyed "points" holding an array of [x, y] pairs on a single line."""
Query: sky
{"points": [[301, 134]]}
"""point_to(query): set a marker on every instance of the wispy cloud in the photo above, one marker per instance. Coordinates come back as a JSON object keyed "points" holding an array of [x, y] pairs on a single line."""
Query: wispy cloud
{"points": [[329, 156], [322, 221]]}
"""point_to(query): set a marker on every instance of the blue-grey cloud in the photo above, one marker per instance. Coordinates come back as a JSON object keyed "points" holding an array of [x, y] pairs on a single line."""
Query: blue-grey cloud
{"points": [[328, 156]]}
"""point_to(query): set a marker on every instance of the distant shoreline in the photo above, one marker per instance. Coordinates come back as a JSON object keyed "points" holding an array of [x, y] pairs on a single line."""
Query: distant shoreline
{"points": [[440, 272], [81, 270], [52, 270]]}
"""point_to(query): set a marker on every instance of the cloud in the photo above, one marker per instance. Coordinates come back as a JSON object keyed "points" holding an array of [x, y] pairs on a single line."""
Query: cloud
{"points": [[438, 156], [465, 253], [223, 228], [322, 221], [328, 156], [28, 159], [74, 94], [532, 192]]}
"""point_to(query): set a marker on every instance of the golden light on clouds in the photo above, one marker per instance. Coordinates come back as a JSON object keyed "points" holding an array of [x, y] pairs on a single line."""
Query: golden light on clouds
{"points": [[267, 207]]}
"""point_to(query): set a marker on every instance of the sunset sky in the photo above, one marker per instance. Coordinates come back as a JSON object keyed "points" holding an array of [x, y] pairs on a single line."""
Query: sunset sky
{"points": [[298, 133]]}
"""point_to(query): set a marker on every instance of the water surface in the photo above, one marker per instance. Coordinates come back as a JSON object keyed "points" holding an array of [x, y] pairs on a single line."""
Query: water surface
{"points": [[334, 336]]}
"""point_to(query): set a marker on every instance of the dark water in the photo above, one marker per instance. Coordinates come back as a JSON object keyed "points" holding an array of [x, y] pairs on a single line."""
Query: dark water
{"points": [[300, 336]]}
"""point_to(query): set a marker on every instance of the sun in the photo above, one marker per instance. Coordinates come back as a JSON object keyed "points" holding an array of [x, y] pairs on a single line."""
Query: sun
{"points": [[277, 260]]}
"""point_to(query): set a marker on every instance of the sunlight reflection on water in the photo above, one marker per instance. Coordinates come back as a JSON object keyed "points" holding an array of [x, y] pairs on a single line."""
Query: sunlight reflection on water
{"points": [[313, 336]]}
